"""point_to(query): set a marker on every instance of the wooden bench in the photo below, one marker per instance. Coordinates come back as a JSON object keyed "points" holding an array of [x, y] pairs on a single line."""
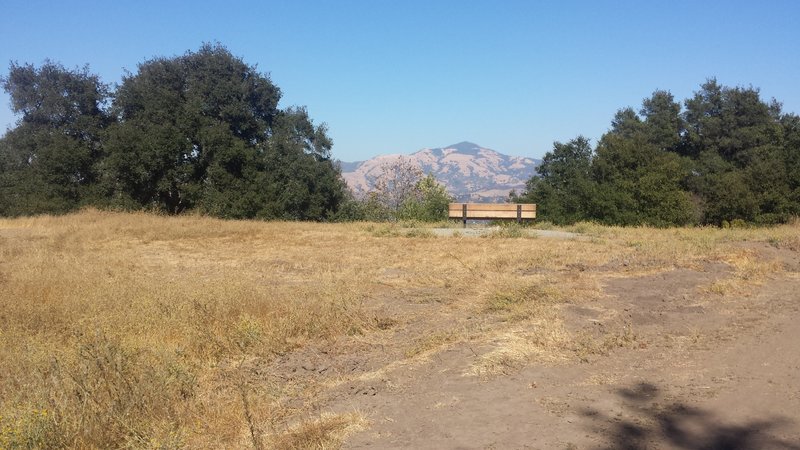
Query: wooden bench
{"points": [[492, 211]]}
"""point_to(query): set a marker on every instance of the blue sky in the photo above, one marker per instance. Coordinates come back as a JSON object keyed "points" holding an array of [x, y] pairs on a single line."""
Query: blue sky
{"points": [[398, 76]]}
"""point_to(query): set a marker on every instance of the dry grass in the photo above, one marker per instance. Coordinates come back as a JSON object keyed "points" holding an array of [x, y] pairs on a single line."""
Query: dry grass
{"points": [[748, 270], [585, 344], [130, 329], [431, 343], [136, 330], [326, 431], [545, 342]]}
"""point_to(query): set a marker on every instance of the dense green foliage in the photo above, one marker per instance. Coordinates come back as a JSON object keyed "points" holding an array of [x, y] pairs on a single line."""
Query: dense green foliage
{"points": [[725, 156], [51, 161], [563, 187], [201, 131]]}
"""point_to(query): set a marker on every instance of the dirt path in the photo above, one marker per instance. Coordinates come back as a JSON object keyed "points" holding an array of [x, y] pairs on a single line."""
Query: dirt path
{"points": [[694, 370], [478, 231]]}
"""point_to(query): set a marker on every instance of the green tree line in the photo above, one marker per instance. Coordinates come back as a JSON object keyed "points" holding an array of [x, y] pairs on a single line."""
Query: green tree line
{"points": [[201, 131], [723, 156]]}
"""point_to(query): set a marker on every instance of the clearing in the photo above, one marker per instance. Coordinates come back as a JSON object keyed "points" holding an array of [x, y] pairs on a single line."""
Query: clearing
{"points": [[139, 330]]}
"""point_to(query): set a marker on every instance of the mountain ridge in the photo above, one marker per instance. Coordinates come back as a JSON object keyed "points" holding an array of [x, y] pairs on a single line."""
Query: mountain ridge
{"points": [[469, 171]]}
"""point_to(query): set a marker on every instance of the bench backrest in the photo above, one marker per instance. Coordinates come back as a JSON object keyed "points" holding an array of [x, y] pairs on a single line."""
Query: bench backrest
{"points": [[492, 211]]}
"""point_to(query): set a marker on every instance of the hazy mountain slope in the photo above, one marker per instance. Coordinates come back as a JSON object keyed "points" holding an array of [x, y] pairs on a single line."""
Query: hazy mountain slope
{"points": [[469, 171]]}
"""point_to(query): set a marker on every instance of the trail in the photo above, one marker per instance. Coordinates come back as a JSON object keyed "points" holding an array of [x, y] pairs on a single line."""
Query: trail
{"points": [[702, 371]]}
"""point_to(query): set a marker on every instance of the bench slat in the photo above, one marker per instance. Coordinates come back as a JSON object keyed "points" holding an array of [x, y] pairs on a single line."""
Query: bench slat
{"points": [[495, 215], [492, 207], [492, 210]]}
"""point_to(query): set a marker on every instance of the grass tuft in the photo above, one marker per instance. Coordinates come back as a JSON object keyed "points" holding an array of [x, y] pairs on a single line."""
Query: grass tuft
{"points": [[326, 431]]}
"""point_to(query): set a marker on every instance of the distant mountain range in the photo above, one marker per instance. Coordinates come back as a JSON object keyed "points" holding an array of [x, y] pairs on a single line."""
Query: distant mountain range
{"points": [[468, 171]]}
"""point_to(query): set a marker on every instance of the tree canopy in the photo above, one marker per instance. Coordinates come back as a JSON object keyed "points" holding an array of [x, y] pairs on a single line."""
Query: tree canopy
{"points": [[725, 156], [201, 131], [50, 161], [563, 187]]}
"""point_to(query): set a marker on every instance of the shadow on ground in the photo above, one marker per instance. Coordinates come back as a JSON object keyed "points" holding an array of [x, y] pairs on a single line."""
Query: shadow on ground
{"points": [[650, 421]]}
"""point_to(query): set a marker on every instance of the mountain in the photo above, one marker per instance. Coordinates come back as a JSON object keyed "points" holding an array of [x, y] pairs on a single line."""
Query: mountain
{"points": [[468, 171]]}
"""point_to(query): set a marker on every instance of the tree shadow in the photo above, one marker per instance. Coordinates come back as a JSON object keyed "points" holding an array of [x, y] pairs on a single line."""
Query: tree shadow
{"points": [[651, 422]]}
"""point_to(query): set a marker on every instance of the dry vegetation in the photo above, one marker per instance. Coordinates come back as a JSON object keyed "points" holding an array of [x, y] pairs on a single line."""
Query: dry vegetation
{"points": [[140, 331]]}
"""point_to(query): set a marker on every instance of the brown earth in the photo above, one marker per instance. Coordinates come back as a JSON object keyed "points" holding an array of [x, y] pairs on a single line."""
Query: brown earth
{"points": [[664, 360]]}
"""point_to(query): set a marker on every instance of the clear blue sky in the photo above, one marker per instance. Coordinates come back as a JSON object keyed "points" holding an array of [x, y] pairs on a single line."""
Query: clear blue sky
{"points": [[398, 76]]}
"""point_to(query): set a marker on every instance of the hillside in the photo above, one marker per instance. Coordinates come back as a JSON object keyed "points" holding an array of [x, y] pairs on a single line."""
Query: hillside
{"points": [[469, 171]]}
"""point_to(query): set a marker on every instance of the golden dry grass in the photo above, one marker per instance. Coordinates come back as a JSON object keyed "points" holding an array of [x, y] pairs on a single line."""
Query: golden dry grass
{"points": [[137, 330]]}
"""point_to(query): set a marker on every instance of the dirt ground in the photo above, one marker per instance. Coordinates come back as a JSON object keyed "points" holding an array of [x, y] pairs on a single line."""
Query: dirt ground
{"points": [[477, 231], [686, 368]]}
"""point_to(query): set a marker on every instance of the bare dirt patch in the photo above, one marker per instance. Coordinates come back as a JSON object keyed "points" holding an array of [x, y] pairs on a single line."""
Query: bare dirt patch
{"points": [[659, 362], [481, 231]]}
